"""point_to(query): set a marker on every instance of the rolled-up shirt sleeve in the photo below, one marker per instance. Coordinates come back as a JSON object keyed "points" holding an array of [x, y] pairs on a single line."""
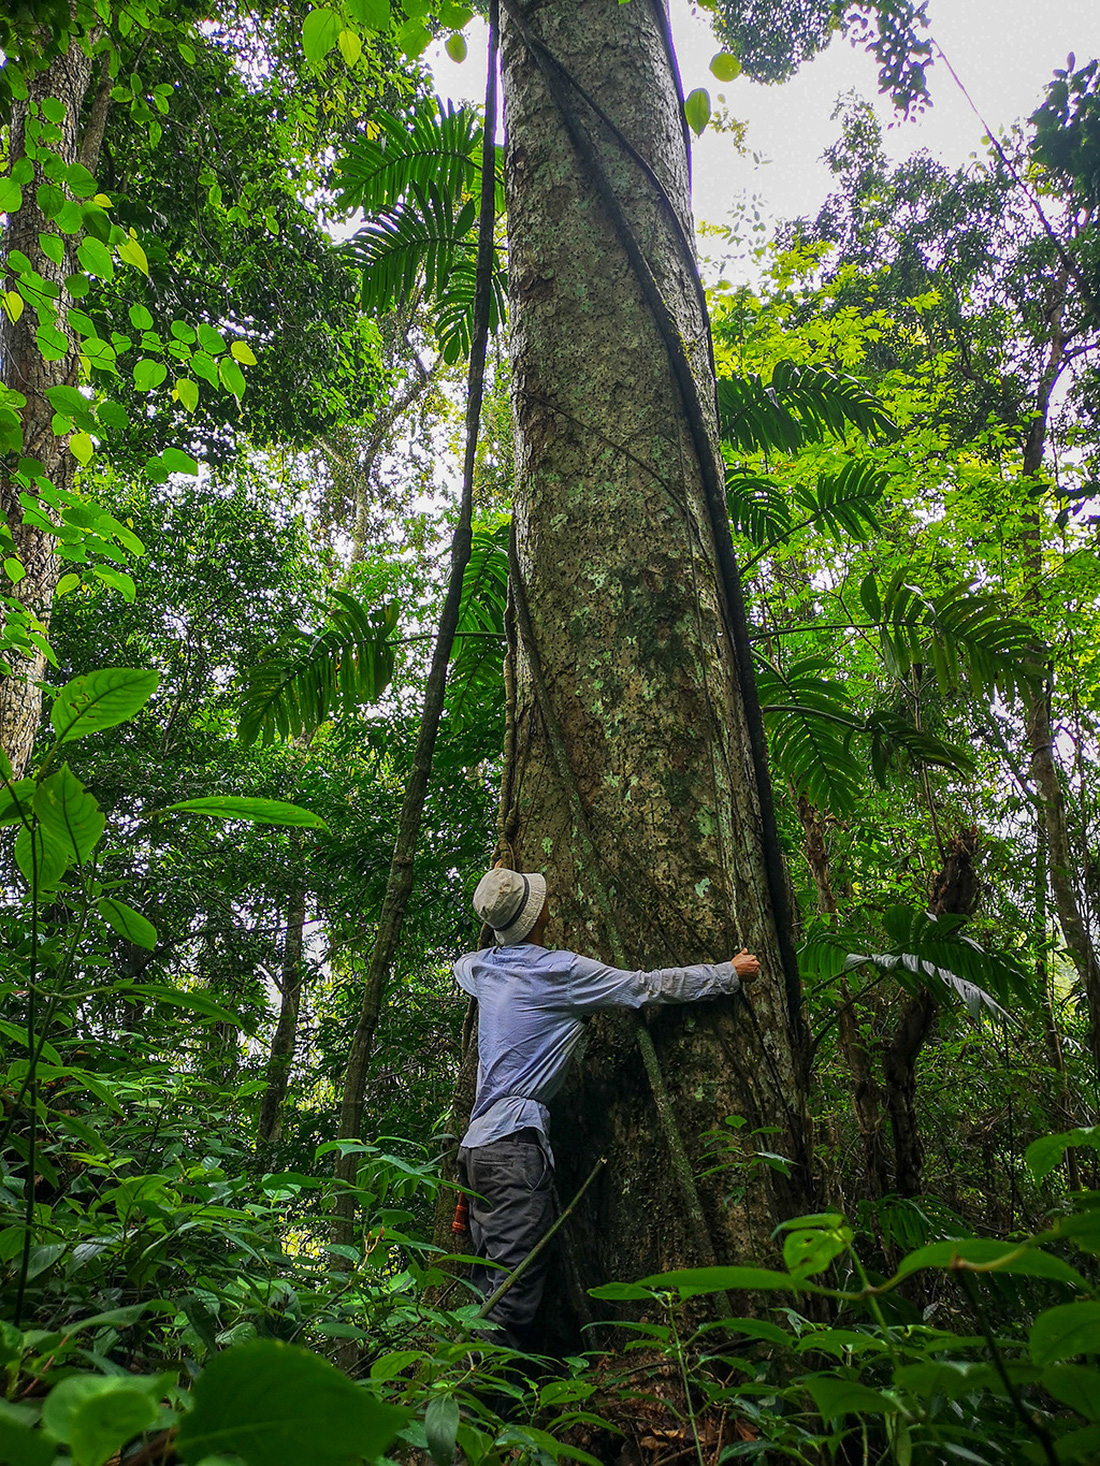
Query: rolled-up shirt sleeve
{"points": [[463, 975], [594, 986]]}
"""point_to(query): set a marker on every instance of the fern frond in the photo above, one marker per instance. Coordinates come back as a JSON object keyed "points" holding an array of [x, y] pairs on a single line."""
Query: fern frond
{"points": [[809, 721], [843, 504], [346, 665], [798, 405], [437, 144], [758, 508]]}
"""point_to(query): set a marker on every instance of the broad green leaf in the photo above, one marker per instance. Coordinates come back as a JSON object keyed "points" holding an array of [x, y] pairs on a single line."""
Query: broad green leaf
{"points": [[22, 1447], [95, 257], [241, 350], [837, 1397], [117, 580], [351, 48], [456, 47], [441, 1420], [194, 1002], [81, 183], [41, 860], [176, 461], [232, 378], [413, 38], [100, 700], [69, 815], [140, 318], [1064, 1332], [725, 66], [95, 1414], [1077, 1386], [621, 1292], [986, 1254], [319, 32], [1044, 1154], [691, 1282], [374, 14], [188, 392], [15, 802], [131, 253], [277, 1405], [127, 922], [82, 448], [13, 569], [211, 339], [149, 373], [697, 110], [11, 196], [256, 811]]}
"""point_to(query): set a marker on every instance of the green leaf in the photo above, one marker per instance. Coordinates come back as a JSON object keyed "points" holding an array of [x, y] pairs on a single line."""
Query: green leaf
{"points": [[117, 580], [81, 183], [41, 860], [194, 1002], [13, 569], [1044, 1154], [456, 47], [232, 378], [131, 253], [15, 802], [140, 318], [188, 392], [374, 14], [149, 374], [242, 352], [211, 339], [441, 1420], [176, 461], [256, 811], [100, 700], [413, 38], [277, 1405], [1064, 1332], [11, 196], [95, 257], [127, 922], [22, 1447], [986, 1254], [69, 815], [1077, 1386], [82, 448], [351, 47], [319, 32], [96, 1414], [691, 1282], [697, 110], [725, 66], [837, 1397]]}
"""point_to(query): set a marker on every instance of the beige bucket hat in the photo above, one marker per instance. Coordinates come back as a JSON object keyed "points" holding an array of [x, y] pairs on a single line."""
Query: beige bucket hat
{"points": [[510, 902]]}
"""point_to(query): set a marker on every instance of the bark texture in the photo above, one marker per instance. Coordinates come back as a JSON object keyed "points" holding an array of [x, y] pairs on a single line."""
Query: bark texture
{"points": [[286, 1030], [617, 560], [25, 370]]}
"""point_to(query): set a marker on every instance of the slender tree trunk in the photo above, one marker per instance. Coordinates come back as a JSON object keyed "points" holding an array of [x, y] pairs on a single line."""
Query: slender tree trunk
{"points": [[651, 834], [955, 892], [27, 371], [286, 1030], [866, 1090]]}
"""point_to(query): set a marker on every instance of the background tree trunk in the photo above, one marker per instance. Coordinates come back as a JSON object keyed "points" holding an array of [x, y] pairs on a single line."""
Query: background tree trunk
{"points": [[26, 370], [617, 561], [286, 1030]]}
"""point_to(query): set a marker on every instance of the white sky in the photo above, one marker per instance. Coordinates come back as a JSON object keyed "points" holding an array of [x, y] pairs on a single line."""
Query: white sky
{"points": [[1003, 50]]}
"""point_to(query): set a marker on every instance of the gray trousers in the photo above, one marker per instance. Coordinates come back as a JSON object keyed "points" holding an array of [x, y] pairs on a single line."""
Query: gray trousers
{"points": [[511, 1210]]}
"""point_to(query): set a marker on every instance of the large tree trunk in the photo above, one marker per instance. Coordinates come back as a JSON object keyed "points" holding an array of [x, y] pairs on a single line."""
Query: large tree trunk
{"points": [[26, 370], [651, 836]]}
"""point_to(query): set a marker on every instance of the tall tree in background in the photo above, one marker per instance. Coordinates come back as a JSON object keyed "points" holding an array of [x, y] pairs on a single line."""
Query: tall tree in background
{"points": [[630, 779]]}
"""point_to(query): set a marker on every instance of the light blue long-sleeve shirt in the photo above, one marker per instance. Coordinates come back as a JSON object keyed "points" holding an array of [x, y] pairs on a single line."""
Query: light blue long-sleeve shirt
{"points": [[532, 1006]]}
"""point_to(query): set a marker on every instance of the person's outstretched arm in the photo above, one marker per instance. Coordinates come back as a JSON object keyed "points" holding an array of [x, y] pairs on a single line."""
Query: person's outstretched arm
{"points": [[594, 986]]}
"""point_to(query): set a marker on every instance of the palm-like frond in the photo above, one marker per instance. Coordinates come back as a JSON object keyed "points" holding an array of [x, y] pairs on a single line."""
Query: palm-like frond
{"points": [[418, 240], [894, 737], [809, 721], [437, 144], [345, 665], [960, 628], [480, 631], [844, 503], [926, 951], [800, 404], [759, 508], [418, 182]]}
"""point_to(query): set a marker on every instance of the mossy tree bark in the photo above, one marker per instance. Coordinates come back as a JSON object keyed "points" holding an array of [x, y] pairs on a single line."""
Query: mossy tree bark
{"points": [[617, 555]]}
